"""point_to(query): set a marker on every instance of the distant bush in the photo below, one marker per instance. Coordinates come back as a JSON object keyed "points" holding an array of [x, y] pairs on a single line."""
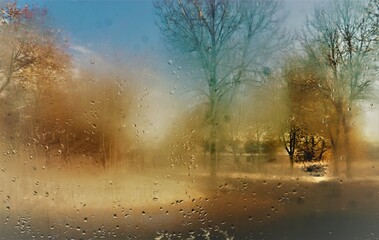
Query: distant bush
{"points": [[264, 147]]}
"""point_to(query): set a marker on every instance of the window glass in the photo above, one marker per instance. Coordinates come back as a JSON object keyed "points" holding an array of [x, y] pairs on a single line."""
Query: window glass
{"points": [[176, 119]]}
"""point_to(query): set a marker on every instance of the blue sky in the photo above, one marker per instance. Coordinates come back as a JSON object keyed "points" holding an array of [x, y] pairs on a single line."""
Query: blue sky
{"points": [[126, 25], [123, 25]]}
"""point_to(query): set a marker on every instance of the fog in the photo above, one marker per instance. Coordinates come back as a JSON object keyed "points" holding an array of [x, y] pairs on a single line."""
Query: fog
{"points": [[262, 140]]}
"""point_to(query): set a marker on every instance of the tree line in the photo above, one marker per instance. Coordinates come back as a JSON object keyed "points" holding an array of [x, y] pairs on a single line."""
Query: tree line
{"points": [[265, 89], [49, 111], [319, 84]]}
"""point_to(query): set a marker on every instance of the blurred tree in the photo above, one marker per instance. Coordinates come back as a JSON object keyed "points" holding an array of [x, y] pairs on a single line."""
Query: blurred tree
{"points": [[30, 62], [28, 50], [234, 129], [85, 118], [228, 40], [263, 112], [306, 135], [341, 40]]}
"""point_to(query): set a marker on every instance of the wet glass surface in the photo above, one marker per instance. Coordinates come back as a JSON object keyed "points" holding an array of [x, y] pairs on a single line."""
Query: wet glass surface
{"points": [[189, 120]]}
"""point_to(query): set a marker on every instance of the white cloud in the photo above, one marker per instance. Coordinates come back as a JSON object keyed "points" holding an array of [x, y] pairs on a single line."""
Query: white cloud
{"points": [[81, 49], [86, 58]]}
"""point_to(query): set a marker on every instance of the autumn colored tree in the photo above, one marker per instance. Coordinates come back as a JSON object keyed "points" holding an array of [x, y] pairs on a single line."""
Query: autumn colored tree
{"points": [[84, 118], [306, 136], [341, 40], [28, 50], [31, 62]]}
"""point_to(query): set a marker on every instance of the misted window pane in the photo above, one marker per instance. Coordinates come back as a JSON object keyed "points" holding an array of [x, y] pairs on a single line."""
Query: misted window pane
{"points": [[176, 119]]}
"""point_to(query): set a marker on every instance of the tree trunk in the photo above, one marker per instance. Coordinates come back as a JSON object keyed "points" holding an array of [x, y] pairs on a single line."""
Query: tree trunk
{"points": [[213, 151], [9, 76], [337, 147], [213, 122], [235, 148], [336, 154], [291, 160], [347, 152]]}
